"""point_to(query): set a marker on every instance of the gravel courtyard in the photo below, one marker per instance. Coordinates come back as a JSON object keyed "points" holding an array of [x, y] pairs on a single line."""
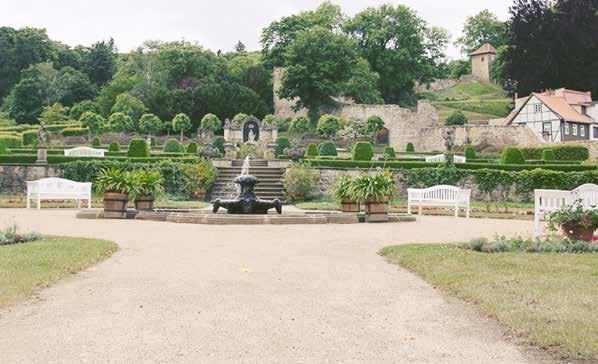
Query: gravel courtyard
{"points": [[205, 293]]}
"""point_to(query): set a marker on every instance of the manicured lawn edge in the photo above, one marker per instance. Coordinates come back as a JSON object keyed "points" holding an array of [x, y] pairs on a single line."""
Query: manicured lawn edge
{"points": [[27, 267], [548, 299]]}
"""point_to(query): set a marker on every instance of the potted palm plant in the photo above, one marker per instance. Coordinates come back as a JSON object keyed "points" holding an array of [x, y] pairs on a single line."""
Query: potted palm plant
{"points": [[374, 191], [117, 186], [149, 186], [199, 178], [576, 222], [342, 192]]}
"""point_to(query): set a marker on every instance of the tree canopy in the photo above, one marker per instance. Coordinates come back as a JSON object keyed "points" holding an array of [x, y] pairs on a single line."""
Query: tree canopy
{"points": [[482, 28]]}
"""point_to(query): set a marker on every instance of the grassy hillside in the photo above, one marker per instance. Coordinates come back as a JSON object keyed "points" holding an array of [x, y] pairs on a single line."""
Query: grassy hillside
{"points": [[479, 102]]}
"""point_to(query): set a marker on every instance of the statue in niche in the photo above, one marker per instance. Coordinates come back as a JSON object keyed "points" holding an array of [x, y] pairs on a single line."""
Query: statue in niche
{"points": [[251, 133]]}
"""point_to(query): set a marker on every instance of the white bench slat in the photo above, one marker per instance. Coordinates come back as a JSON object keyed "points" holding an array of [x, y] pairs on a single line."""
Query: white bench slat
{"points": [[54, 188], [84, 152], [440, 158], [441, 195]]}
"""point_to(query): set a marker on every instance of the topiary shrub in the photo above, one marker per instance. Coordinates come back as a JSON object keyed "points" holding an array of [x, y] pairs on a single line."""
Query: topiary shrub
{"points": [[3, 148], [312, 150], [410, 148], [456, 118], [96, 142], [327, 149], [173, 146], [363, 151], [114, 146], [282, 144], [219, 143], [469, 152], [138, 149], [29, 137], [192, 148], [512, 156], [390, 152], [548, 155]]}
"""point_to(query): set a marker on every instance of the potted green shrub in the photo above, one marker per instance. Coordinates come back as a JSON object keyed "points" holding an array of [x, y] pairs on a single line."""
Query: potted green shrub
{"points": [[576, 222], [149, 186], [299, 181], [117, 186], [342, 192], [199, 178], [374, 191]]}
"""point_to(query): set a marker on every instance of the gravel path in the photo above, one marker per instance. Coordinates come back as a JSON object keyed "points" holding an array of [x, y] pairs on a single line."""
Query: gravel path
{"points": [[199, 293]]}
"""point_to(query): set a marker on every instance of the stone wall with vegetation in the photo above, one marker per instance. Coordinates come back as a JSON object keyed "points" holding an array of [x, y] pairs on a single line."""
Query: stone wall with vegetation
{"points": [[13, 178]]}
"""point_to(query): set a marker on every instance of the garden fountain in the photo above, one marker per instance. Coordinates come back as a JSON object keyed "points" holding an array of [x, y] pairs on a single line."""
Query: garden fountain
{"points": [[247, 203]]}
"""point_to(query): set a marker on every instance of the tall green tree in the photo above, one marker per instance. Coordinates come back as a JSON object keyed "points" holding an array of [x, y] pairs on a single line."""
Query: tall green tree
{"points": [[121, 122], [129, 105], [320, 64], [150, 124], [181, 123], [92, 121], [392, 40], [484, 27], [99, 61], [280, 35]]}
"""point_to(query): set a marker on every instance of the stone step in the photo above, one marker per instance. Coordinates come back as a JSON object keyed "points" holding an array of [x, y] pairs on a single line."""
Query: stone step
{"points": [[252, 162]]}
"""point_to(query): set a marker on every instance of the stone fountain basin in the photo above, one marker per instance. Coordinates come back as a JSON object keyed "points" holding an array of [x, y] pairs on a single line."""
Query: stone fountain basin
{"points": [[208, 218]]}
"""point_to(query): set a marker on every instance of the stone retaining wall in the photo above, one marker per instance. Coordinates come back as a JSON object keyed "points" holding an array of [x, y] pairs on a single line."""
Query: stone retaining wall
{"points": [[13, 178]]}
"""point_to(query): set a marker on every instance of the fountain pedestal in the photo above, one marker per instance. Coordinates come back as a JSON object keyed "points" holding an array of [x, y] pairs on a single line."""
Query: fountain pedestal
{"points": [[247, 203]]}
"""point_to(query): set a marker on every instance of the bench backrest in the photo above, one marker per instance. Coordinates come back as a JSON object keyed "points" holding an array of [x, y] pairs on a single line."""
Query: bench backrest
{"points": [[439, 193], [551, 200], [58, 185], [440, 158], [84, 152], [588, 194]]}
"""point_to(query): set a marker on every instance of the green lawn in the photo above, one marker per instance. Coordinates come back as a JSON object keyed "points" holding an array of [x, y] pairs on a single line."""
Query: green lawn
{"points": [[550, 299], [27, 267]]}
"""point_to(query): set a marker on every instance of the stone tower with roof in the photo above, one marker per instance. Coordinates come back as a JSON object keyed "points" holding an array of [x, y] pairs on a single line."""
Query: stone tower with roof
{"points": [[481, 61]]}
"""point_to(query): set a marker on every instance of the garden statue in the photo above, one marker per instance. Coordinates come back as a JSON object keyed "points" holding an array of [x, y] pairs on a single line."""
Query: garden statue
{"points": [[41, 134], [42, 152]]}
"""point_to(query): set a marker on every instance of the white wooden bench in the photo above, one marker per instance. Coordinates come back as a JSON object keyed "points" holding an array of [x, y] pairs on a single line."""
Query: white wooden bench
{"points": [[58, 189], [442, 195], [84, 152], [549, 201], [441, 158]]}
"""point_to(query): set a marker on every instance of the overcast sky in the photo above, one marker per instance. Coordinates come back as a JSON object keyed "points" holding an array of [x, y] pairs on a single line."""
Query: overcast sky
{"points": [[215, 24]]}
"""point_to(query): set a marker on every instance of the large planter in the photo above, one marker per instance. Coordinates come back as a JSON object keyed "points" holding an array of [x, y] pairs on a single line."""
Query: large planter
{"points": [[199, 195], [578, 232], [144, 202], [349, 205], [376, 210], [115, 205]]}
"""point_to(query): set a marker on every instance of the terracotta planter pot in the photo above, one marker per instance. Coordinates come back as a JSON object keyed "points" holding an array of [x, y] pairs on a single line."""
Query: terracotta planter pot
{"points": [[199, 195], [349, 206], [376, 210], [115, 205], [578, 232], [144, 202]]}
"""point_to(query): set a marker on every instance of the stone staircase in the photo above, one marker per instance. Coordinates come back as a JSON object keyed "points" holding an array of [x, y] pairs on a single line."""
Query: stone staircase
{"points": [[269, 187]]}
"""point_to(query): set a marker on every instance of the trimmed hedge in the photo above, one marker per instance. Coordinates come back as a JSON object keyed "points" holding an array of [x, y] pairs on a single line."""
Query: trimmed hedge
{"points": [[282, 144], [173, 146], [3, 148], [469, 152], [96, 142], [561, 152], [512, 156], [336, 163], [114, 146], [363, 151], [192, 148], [11, 141], [548, 155], [61, 159], [66, 132], [390, 152], [138, 149], [312, 150], [410, 148], [327, 149], [29, 137]]}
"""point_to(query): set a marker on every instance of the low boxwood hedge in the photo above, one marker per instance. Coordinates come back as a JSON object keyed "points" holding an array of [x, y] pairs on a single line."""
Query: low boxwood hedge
{"points": [[561, 152], [363, 151], [11, 141], [66, 132], [60, 159]]}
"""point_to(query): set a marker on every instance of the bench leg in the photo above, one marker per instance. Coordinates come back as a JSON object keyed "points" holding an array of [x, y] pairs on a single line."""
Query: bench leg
{"points": [[420, 210], [456, 210], [79, 204], [89, 202], [467, 212], [39, 203], [409, 208], [28, 201]]}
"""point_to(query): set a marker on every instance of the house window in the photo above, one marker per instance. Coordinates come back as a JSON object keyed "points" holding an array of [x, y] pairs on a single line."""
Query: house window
{"points": [[596, 132], [482, 59], [574, 127], [538, 108], [547, 128], [582, 131], [584, 110], [566, 128]]}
